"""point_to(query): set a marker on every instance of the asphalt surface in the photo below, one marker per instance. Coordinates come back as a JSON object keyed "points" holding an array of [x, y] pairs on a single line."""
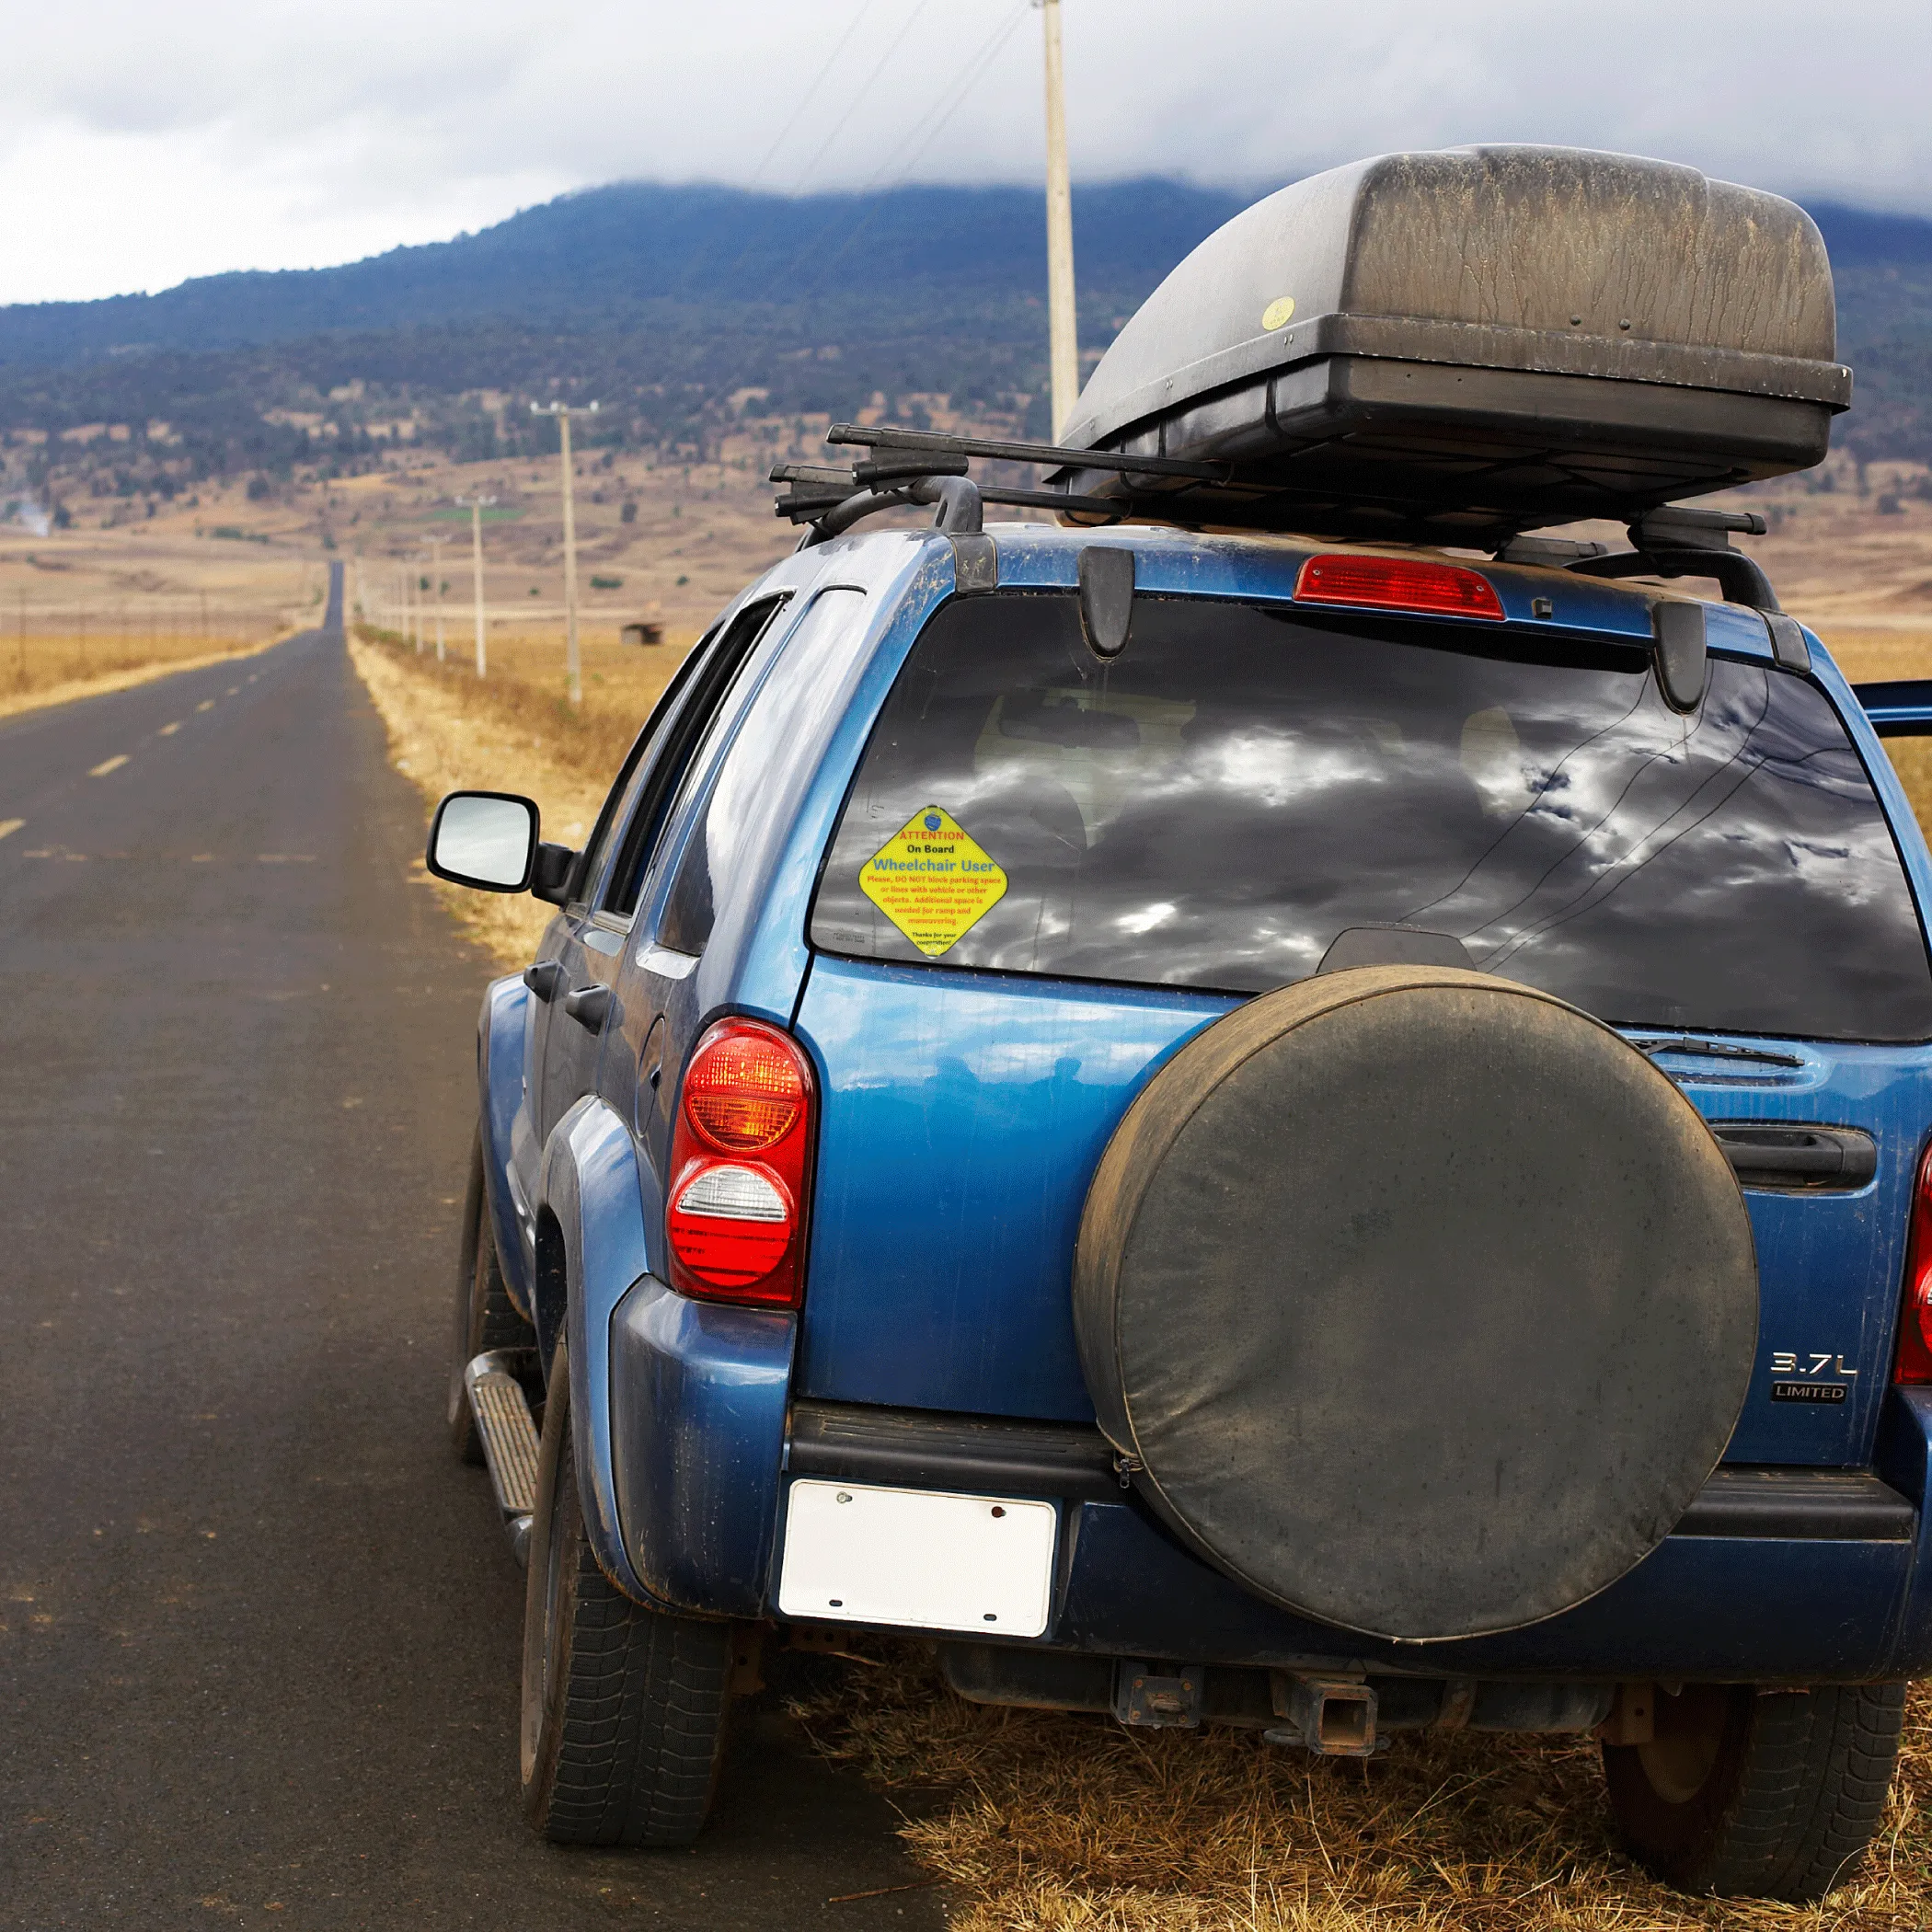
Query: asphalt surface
{"points": [[259, 1632]]}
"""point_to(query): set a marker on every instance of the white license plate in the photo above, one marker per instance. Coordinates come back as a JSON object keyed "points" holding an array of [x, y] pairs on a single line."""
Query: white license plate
{"points": [[923, 1558]]}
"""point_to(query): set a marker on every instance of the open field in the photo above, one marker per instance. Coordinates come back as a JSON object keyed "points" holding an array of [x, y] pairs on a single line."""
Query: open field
{"points": [[86, 609]]}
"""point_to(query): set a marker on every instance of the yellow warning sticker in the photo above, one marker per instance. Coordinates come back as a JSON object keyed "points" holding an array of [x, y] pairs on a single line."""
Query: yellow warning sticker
{"points": [[1278, 313], [932, 881]]}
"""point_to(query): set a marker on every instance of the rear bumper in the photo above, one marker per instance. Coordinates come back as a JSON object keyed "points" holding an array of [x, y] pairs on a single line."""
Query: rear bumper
{"points": [[1795, 1575]]}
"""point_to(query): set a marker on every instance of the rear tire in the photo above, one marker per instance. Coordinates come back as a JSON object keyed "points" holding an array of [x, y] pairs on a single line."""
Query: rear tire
{"points": [[1758, 1794], [485, 1316], [623, 1709]]}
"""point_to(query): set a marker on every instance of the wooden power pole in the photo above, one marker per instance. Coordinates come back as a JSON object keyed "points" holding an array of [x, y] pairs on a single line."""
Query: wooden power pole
{"points": [[563, 413], [1063, 325], [476, 506]]}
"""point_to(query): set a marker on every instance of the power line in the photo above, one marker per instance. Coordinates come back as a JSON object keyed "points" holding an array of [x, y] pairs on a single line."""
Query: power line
{"points": [[946, 108], [933, 122], [805, 99], [709, 253], [857, 100]]}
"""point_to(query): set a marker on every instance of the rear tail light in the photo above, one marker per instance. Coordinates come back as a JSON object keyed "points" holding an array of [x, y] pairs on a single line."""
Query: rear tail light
{"points": [[1397, 583], [741, 1152], [1914, 1356]]}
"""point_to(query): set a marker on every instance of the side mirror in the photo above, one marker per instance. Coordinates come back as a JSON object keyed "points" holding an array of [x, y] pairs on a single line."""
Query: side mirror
{"points": [[486, 839], [1900, 708]]}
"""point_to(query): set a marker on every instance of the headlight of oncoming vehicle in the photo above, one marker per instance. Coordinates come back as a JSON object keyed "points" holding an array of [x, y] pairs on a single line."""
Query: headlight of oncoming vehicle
{"points": [[741, 1152]]}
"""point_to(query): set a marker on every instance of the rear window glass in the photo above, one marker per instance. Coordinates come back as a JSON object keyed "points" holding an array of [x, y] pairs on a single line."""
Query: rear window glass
{"points": [[1240, 786]]}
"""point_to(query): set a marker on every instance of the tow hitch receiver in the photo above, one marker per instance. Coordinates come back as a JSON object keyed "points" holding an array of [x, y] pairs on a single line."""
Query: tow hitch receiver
{"points": [[508, 1432], [1150, 1695], [1332, 1717]]}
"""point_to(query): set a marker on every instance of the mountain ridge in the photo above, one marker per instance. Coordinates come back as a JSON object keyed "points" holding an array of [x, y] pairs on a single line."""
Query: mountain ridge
{"points": [[668, 303], [601, 252]]}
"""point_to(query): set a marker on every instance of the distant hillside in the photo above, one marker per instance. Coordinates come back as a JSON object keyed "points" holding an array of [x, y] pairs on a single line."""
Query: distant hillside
{"points": [[666, 301], [611, 254]]}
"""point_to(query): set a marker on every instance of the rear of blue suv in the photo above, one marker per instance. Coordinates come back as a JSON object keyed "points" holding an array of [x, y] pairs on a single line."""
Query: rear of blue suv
{"points": [[1326, 1133], [785, 1152]]}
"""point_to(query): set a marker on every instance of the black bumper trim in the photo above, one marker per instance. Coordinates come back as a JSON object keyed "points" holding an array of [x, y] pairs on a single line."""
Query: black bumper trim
{"points": [[921, 1448], [1806, 1505], [926, 1449]]}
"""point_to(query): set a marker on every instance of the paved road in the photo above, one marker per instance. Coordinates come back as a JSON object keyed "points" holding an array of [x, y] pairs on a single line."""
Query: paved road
{"points": [[258, 1635]]}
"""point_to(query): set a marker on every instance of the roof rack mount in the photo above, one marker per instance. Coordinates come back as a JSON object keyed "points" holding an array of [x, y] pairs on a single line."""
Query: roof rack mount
{"points": [[1670, 540]]}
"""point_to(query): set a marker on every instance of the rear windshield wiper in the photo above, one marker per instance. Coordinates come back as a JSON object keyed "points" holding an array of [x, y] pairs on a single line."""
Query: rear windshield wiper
{"points": [[1718, 1049]]}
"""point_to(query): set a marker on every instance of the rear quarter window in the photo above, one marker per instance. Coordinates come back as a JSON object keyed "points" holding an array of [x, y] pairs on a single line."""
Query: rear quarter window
{"points": [[1212, 808]]}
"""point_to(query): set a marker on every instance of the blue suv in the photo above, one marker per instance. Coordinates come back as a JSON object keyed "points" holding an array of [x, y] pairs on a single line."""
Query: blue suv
{"points": [[1323, 1136]]}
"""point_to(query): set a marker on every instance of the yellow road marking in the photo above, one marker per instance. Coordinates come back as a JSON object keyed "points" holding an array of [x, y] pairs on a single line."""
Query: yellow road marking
{"points": [[107, 766], [207, 704], [10, 826], [169, 731]]}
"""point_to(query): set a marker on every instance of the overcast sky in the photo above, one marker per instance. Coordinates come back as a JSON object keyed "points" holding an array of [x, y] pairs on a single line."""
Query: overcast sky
{"points": [[143, 144]]}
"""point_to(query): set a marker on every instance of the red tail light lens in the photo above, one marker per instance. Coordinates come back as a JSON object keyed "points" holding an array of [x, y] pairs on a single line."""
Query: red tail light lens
{"points": [[1914, 1356], [1397, 583], [741, 1152], [744, 1092]]}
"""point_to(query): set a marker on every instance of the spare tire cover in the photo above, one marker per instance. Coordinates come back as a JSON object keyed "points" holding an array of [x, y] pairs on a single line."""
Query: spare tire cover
{"points": [[1424, 1302]]}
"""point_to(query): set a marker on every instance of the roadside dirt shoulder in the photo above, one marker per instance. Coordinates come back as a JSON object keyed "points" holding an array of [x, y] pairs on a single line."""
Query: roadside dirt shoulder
{"points": [[443, 744]]}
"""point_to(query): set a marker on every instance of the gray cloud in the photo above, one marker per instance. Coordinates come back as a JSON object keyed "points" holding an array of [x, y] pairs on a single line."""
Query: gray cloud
{"points": [[140, 145]]}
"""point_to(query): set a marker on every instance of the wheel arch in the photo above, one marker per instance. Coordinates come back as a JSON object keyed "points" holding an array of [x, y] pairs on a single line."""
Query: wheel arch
{"points": [[591, 1248], [503, 1031]]}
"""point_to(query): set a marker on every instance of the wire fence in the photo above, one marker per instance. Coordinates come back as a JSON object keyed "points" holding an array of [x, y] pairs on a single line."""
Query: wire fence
{"points": [[43, 644]]}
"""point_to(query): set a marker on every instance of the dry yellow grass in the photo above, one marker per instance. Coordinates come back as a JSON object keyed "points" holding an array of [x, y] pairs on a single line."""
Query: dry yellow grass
{"points": [[87, 611], [448, 731], [134, 668], [1053, 1823]]}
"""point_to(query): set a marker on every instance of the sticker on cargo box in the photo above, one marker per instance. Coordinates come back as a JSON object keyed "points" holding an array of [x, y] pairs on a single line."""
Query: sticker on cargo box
{"points": [[932, 881], [1278, 313]]}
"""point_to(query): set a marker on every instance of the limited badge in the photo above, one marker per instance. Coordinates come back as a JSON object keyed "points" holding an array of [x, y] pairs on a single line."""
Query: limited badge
{"points": [[932, 881], [1276, 315], [1808, 1391]]}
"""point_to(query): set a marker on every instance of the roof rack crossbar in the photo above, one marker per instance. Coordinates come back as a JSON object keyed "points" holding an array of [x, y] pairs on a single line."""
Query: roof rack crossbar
{"points": [[1045, 452], [1667, 540]]}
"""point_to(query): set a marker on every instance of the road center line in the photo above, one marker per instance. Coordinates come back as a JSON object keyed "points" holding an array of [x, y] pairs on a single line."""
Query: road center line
{"points": [[10, 826], [107, 766], [207, 704], [169, 731]]}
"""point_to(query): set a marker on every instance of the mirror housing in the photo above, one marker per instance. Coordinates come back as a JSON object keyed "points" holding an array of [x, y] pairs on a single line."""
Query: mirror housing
{"points": [[550, 876], [485, 840]]}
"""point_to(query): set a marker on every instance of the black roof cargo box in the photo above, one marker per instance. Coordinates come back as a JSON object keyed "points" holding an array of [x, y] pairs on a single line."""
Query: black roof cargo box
{"points": [[1452, 346]]}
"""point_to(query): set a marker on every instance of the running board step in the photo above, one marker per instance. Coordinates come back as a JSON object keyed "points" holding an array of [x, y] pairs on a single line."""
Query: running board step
{"points": [[508, 1432]]}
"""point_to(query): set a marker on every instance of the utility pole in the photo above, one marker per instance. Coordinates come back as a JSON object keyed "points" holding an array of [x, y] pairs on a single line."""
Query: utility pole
{"points": [[436, 589], [476, 506], [1062, 329], [563, 413]]}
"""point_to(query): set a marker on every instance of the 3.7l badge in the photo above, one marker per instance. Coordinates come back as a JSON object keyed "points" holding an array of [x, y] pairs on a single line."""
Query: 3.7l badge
{"points": [[1817, 1376]]}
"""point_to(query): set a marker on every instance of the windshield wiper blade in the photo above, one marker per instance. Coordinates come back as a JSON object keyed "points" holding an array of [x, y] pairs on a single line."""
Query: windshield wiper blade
{"points": [[1718, 1049]]}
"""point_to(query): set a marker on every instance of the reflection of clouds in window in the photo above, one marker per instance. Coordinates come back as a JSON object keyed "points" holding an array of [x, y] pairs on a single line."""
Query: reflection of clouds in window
{"points": [[1493, 755], [798, 709], [1146, 918], [1283, 782]]}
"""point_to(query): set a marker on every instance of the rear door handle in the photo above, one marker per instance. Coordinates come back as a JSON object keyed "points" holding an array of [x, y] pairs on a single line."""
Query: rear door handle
{"points": [[544, 979], [1797, 1158], [589, 1006]]}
